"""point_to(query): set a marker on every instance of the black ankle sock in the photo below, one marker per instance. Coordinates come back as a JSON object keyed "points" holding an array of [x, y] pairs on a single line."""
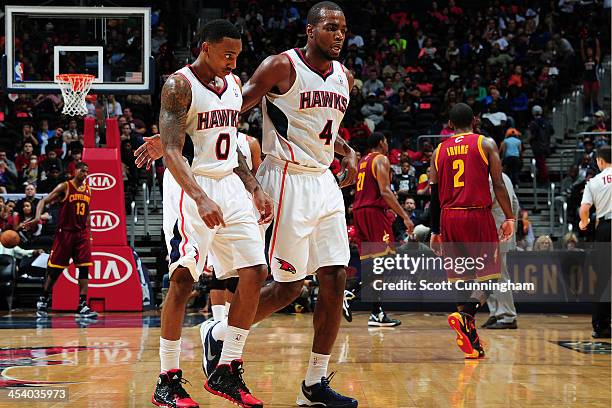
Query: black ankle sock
{"points": [[82, 299], [376, 308], [471, 307]]}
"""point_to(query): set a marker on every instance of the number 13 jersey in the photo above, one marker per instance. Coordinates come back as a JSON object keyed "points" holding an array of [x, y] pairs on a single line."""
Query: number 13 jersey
{"points": [[301, 125], [212, 123]]}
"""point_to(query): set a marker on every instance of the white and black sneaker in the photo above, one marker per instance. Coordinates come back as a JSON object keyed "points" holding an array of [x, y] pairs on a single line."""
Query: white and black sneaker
{"points": [[381, 319], [41, 307], [85, 311], [346, 305]]}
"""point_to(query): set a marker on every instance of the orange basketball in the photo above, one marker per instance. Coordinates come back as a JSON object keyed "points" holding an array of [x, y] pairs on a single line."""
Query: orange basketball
{"points": [[9, 239]]}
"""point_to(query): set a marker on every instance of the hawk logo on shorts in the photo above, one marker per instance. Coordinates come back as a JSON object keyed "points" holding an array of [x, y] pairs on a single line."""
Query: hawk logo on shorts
{"points": [[286, 266]]}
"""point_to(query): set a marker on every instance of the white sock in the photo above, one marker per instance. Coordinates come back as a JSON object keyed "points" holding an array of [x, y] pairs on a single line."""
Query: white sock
{"points": [[233, 344], [227, 308], [169, 353], [218, 312], [218, 332], [317, 368]]}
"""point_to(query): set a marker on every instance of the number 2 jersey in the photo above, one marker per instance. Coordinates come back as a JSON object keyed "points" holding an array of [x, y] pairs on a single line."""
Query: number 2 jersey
{"points": [[463, 172], [212, 124], [74, 210], [301, 125]]}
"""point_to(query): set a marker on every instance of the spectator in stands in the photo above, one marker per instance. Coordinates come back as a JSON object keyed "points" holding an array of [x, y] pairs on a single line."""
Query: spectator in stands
{"points": [[32, 173], [511, 152], [126, 132], [405, 181], [543, 243], [43, 135], [51, 160], [7, 180], [112, 107], [599, 125], [590, 59], [568, 182], [23, 158], [72, 133], [23, 257], [137, 125], [76, 156], [570, 242], [28, 136], [524, 232], [27, 234], [30, 197], [540, 133], [158, 39], [57, 144], [9, 165], [373, 110], [372, 85], [54, 177]]}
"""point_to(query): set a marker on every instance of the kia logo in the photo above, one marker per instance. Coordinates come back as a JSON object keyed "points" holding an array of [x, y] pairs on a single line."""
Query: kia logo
{"points": [[108, 270], [103, 220], [101, 181]]}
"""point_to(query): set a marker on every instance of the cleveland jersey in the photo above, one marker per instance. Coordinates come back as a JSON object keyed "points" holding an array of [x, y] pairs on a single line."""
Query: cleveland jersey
{"points": [[463, 172], [301, 125], [211, 124], [74, 211], [367, 192]]}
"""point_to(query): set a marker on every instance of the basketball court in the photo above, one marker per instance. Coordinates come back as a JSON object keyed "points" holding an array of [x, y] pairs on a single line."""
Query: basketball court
{"points": [[551, 360]]}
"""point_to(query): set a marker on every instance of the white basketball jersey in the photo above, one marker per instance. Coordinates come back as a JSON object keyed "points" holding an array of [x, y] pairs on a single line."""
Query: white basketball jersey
{"points": [[243, 145], [212, 124], [301, 125]]}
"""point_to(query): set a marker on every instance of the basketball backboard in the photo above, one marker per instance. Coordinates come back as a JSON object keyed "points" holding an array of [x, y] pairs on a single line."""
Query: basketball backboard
{"points": [[111, 43]]}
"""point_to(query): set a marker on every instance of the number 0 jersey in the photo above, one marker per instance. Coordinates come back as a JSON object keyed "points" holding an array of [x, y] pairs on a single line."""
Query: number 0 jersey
{"points": [[212, 124], [463, 172], [301, 125]]}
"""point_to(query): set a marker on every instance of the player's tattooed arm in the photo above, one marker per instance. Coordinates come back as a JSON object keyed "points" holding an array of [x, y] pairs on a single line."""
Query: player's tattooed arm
{"points": [[262, 201], [249, 181], [499, 187], [348, 170], [175, 102]]}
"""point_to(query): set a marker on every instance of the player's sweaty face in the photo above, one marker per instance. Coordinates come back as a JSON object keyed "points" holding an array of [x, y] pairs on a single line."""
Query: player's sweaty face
{"points": [[82, 173], [223, 55], [330, 33]]}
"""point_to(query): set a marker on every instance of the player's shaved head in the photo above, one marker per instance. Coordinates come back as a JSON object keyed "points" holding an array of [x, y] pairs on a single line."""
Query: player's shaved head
{"points": [[215, 30], [374, 139], [461, 116], [315, 14]]}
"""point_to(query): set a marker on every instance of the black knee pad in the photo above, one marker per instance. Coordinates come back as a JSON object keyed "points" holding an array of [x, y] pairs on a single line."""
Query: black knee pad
{"points": [[231, 284], [83, 272], [54, 273], [216, 284]]}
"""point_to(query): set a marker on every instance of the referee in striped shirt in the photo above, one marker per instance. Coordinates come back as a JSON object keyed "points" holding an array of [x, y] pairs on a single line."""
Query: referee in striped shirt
{"points": [[598, 192]]}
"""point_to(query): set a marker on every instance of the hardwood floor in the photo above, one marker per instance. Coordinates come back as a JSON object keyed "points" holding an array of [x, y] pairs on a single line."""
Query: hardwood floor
{"points": [[414, 365]]}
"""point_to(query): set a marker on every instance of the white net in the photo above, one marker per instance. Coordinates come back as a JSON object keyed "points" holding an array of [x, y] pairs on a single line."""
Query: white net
{"points": [[74, 90]]}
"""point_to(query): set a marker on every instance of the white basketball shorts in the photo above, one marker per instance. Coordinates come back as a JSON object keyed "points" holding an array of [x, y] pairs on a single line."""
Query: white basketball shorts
{"points": [[237, 245], [309, 229]]}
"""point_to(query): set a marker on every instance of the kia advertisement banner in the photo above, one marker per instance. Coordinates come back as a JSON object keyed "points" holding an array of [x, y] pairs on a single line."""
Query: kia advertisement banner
{"points": [[113, 282], [107, 197]]}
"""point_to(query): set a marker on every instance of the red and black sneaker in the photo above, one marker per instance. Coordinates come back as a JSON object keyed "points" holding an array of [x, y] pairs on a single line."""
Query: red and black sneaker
{"points": [[169, 392], [226, 381], [467, 337]]}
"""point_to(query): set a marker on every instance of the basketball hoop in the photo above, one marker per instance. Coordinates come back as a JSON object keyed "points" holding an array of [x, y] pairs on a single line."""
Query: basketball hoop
{"points": [[74, 90]]}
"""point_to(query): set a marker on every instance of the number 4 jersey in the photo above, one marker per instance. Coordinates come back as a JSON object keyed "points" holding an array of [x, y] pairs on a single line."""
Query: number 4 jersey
{"points": [[301, 125], [463, 172], [212, 123]]}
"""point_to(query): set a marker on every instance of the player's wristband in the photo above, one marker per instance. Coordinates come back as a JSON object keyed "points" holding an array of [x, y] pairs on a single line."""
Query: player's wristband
{"points": [[511, 219]]}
